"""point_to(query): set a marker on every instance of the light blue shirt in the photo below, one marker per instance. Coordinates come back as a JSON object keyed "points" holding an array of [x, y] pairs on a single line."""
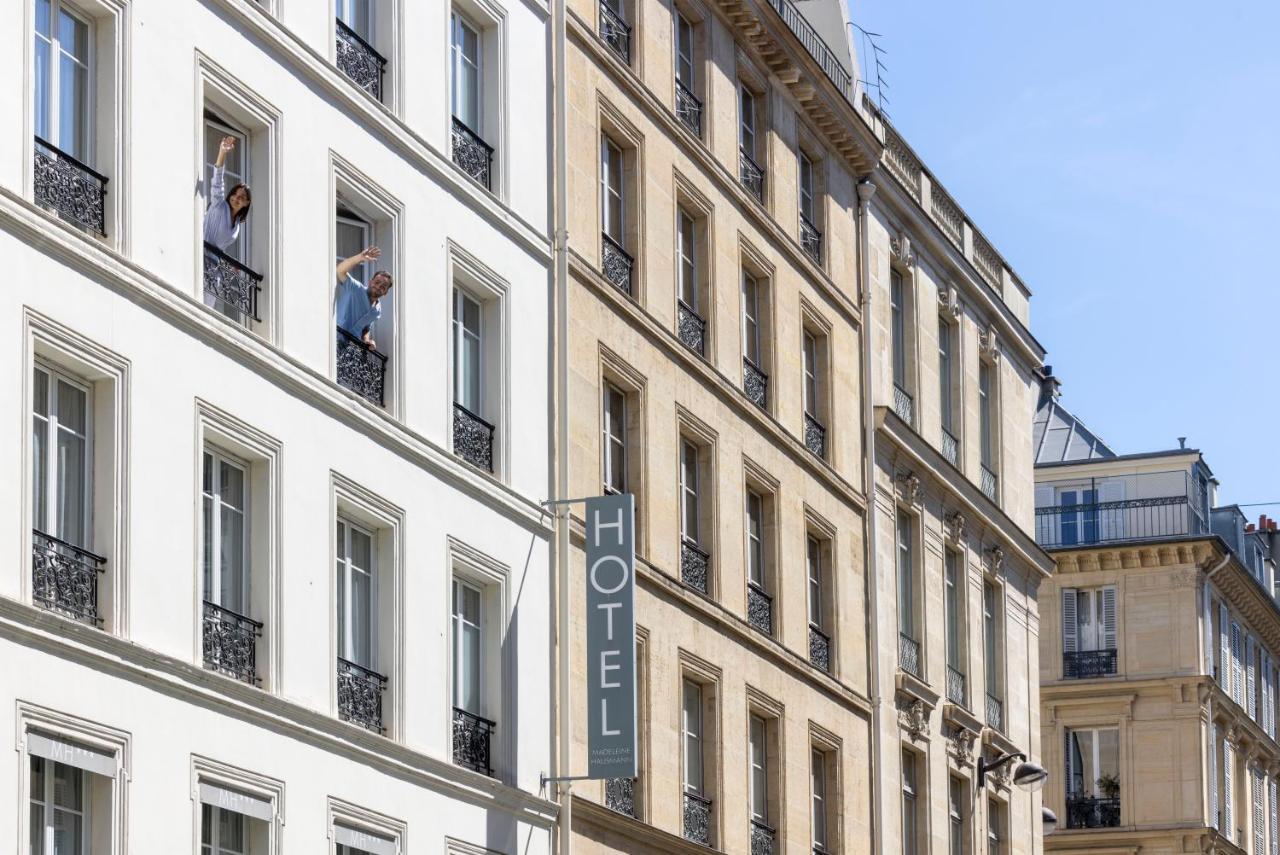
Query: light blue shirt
{"points": [[352, 308], [220, 228]]}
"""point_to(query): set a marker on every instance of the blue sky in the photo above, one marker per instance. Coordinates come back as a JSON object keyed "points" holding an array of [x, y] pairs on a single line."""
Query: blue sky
{"points": [[1124, 157]]}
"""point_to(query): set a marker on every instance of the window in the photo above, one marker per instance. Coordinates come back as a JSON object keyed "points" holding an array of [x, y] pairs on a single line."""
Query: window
{"points": [[222, 832], [614, 439], [235, 821], [358, 15], [755, 539], [235, 167], [821, 602], [687, 254], [812, 379], [986, 430], [684, 52], [225, 532], [59, 809], [751, 320], [63, 79], [689, 521], [62, 454], [818, 795], [1089, 631], [906, 577], [956, 815], [759, 536], [813, 563], [467, 391], [946, 377], [898, 330], [991, 639], [468, 646], [954, 592], [73, 787], [1093, 765], [747, 121], [1078, 519], [759, 783], [995, 828], [910, 819], [692, 738], [465, 48], [612, 205], [356, 594], [807, 207]]}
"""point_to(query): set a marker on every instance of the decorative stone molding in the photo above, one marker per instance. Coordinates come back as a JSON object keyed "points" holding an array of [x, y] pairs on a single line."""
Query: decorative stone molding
{"points": [[995, 559], [989, 344], [960, 746], [909, 488], [913, 717], [949, 300], [900, 246], [954, 526]]}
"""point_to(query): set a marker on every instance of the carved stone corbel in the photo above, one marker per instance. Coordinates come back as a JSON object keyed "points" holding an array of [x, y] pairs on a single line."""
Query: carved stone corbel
{"points": [[995, 559], [909, 488], [960, 746], [913, 718], [954, 524], [989, 344], [949, 300], [900, 246]]}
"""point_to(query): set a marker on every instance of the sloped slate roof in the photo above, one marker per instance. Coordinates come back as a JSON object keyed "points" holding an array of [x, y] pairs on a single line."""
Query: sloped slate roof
{"points": [[1059, 436]]}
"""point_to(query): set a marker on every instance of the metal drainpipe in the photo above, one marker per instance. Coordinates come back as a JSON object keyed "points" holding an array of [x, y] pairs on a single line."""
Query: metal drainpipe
{"points": [[563, 843], [866, 190]]}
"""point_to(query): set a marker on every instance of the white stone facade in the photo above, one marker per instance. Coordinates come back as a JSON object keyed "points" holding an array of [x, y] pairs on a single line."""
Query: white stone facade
{"points": [[110, 692]]}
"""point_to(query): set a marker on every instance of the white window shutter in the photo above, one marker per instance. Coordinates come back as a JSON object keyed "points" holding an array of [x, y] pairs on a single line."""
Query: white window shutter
{"points": [[1208, 630], [1069, 644], [1109, 617], [1224, 661], [1228, 803], [1259, 828], [1237, 671], [1213, 774], [1275, 832], [1251, 684]]}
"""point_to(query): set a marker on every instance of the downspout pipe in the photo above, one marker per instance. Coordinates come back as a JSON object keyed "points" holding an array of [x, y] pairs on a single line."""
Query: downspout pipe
{"points": [[866, 191], [563, 843]]}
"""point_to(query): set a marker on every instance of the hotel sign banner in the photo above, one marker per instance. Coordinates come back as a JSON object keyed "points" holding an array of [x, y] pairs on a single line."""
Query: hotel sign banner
{"points": [[611, 637]]}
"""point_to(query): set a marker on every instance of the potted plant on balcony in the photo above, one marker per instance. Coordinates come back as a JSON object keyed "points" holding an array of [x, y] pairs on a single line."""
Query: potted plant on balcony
{"points": [[1109, 786]]}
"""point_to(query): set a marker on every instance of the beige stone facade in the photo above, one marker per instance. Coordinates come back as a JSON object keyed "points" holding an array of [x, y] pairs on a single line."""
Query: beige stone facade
{"points": [[1158, 661]]}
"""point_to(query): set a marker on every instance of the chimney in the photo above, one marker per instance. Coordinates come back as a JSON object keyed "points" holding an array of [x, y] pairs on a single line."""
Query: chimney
{"points": [[1182, 442], [1248, 529], [1050, 387]]}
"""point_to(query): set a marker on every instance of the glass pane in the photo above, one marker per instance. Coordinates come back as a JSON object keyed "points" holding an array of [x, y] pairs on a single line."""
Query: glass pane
{"points": [[468, 676], [361, 612], [692, 723], [230, 832], [72, 407], [470, 604], [37, 829], [72, 484], [361, 550], [206, 824], [207, 536], [231, 559], [73, 108], [68, 833], [231, 485], [39, 472], [67, 787], [759, 784]]}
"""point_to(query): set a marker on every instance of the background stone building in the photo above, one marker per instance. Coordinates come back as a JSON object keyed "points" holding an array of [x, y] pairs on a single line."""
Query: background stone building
{"points": [[1159, 651]]}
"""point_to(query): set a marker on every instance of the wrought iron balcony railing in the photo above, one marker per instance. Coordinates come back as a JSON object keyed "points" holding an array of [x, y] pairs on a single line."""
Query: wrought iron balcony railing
{"points": [[810, 239], [956, 688], [230, 642], [995, 713], [990, 484], [620, 795], [69, 188], [360, 695], [472, 738], [64, 578], [950, 448], [615, 32], [697, 819], [819, 649], [755, 383], [1085, 664], [233, 287], [815, 436], [472, 154], [360, 368], [358, 60], [763, 838], [692, 328], [688, 109], [759, 608], [751, 175], [1090, 812], [616, 263], [472, 438], [1124, 520], [904, 405], [909, 655], [816, 46], [694, 565]]}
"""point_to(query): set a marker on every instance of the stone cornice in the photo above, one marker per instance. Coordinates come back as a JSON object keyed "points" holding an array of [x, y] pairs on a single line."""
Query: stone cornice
{"points": [[178, 308], [159, 672], [643, 834], [979, 511], [729, 392]]}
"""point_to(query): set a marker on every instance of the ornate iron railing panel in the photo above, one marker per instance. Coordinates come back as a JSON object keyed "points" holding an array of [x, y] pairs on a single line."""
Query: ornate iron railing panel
{"points": [[360, 695], [995, 713], [755, 383], [1086, 664], [810, 239], [361, 369], [1106, 522], [230, 643], [472, 438], [819, 648], [909, 655], [64, 578], [989, 484], [1089, 812], [759, 609], [472, 738], [616, 263], [903, 404], [762, 838], [815, 436], [688, 109], [70, 188], [472, 154], [692, 328], [950, 448], [694, 565], [697, 819], [956, 688], [615, 32], [620, 795], [232, 285], [751, 175], [357, 59]]}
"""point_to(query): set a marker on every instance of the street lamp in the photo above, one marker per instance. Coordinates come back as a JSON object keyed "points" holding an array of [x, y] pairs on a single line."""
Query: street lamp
{"points": [[1028, 776], [1049, 818]]}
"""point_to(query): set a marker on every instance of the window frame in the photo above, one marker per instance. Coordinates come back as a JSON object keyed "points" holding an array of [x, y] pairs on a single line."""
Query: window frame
{"points": [[215, 847], [910, 764], [53, 100], [751, 348], [458, 624], [241, 250], [217, 456], [1091, 789], [53, 472], [459, 24], [613, 443], [819, 831], [986, 415], [688, 286], [754, 533], [992, 638], [807, 187], [947, 333], [349, 525], [812, 374], [748, 121], [343, 10], [693, 739], [758, 789], [48, 806], [954, 588], [462, 336], [680, 55], [957, 822], [690, 493], [905, 565], [898, 327], [610, 154]]}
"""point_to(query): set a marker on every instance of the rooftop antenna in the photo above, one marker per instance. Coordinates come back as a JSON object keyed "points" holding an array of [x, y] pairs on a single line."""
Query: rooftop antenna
{"points": [[872, 54]]}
